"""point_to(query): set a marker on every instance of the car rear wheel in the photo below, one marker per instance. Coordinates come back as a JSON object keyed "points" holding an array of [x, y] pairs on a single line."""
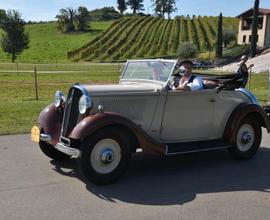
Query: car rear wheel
{"points": [[105, 155], [51, 152], [247, 138]]}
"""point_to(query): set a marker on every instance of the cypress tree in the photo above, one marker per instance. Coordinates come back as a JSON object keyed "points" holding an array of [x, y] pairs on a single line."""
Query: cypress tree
{"points": [[219, 41], [254, 35]]}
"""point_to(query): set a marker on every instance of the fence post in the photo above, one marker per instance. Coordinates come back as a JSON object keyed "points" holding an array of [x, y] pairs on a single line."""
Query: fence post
{"points": [[35, 73], [249, 85], [268, 98], [17, 66]]}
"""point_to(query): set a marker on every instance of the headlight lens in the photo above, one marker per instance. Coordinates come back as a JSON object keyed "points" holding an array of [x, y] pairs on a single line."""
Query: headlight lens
{"points": [[85, 104], [59, 99]]}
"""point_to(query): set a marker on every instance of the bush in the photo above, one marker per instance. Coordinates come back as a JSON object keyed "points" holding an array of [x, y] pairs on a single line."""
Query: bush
{"points": [[236, 50], [186, 50], [104, 14]]}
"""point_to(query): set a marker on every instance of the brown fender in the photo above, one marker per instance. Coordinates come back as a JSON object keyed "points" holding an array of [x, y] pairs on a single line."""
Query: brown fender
{"points": [[50, 121], [239, 113], [92, 123]]}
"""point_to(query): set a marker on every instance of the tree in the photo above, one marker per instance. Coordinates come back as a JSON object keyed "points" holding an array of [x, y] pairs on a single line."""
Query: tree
{"points": [[186, 50], [15, 39], [122, 6], [164, 6], [228, 36], [2, 17], [254, 35], [65, 19], [82, 18], [135, 5], [104, 14], [219, 43]]}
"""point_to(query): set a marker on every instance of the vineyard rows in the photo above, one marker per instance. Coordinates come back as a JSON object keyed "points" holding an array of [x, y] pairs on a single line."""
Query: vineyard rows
{"points": [[145, 37]]}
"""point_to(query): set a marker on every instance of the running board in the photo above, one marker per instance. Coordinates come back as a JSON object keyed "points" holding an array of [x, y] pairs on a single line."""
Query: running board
{"points": [[190, 147]]}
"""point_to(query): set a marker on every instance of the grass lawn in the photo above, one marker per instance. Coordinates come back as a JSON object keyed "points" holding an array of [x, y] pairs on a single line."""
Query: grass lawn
{"points": [[48, 45], [19, 110]]}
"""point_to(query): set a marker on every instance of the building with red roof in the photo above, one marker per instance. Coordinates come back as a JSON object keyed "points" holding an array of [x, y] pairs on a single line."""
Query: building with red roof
{"points": [[245, 27]]}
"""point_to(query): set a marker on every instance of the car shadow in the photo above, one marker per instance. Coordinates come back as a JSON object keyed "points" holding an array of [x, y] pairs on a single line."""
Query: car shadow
{"points": [[173, 180]]}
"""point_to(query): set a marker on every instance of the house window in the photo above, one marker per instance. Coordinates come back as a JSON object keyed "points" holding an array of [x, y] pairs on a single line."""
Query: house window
{"points": [[244, 38], [247, 23], [250, 38]]}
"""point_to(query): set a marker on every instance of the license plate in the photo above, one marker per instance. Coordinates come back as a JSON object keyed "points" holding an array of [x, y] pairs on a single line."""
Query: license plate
{"points": [[35, 134]]}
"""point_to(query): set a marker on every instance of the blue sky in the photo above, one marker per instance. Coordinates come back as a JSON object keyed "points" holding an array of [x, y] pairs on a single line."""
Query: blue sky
{"points": [[36, 10]]}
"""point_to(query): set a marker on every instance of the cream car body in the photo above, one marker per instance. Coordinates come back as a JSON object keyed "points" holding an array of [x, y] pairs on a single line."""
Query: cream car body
{"points": [[104, 124]]}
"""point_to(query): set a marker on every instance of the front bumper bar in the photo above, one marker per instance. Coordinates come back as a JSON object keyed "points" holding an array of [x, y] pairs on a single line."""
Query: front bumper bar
{"points": [[61, 146], [68, 150]]}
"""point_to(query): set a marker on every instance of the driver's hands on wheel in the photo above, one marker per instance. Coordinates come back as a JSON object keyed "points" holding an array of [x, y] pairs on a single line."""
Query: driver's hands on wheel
{"points": [[173, 82]]}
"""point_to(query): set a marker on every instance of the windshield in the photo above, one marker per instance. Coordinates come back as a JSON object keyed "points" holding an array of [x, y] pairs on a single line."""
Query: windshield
{"points": [[148, 70]]}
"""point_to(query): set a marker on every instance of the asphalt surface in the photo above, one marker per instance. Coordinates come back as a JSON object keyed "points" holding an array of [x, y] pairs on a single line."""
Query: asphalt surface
{"points": [[209, 185]]}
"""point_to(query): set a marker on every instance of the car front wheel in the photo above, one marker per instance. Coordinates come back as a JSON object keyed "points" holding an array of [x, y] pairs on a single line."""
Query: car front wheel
{"points": [[105, 155], [247, 138]]}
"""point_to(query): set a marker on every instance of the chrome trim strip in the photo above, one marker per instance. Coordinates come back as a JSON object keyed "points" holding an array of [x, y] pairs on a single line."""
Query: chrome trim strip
{"points": [[80, 87], [252, 97], [194, 151], [68, 150], [45, 137]]}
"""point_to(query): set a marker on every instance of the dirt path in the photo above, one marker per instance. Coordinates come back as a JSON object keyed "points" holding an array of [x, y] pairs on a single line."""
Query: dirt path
{"points": [[261, 64]]}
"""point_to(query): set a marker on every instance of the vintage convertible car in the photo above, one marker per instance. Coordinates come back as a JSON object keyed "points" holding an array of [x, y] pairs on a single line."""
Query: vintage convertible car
{"points": [[102, 125]]}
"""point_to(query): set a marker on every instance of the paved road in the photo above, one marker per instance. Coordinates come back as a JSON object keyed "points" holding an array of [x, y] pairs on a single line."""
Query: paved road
{"points": [[197, 186]]}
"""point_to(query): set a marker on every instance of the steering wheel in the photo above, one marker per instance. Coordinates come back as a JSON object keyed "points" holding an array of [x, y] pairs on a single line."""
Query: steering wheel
{"points": [[173, 82]]}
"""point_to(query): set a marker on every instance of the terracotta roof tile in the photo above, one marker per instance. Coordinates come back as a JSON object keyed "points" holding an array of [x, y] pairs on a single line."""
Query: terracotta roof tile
{"points": [[263, 11]]}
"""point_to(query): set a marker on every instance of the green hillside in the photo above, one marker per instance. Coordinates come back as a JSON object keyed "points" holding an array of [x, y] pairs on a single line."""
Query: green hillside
{"points": [[48, 45], [144, 37]]}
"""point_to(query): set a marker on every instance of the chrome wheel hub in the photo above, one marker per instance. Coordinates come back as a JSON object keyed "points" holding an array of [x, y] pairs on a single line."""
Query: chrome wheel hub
{"points": [[107, 156], [245, 137]]}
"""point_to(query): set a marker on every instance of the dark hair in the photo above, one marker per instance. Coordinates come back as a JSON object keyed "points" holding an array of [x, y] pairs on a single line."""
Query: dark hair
{"points": [[186, 62]]}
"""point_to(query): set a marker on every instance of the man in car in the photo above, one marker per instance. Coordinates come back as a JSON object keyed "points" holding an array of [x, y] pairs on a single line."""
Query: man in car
{"points": [[189, 82]]}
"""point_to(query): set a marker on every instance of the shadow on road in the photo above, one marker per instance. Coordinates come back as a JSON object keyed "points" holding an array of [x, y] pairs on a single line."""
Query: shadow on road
{"points": [[177, 180]]}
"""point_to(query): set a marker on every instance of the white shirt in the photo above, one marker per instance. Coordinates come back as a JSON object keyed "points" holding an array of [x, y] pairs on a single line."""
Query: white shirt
{"points": [[197, 83]]}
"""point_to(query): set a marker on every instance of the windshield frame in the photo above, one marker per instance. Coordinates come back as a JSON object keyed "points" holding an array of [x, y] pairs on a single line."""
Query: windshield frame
{"points": [[162, 61]]}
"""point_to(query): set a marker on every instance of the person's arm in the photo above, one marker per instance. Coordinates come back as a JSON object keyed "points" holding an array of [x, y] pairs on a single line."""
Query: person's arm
{"points": [[197, 84], [250, 66], [183, 88]]}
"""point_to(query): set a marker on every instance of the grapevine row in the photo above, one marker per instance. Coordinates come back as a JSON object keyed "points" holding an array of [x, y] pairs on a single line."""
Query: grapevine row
{"points": [[138, 37]]}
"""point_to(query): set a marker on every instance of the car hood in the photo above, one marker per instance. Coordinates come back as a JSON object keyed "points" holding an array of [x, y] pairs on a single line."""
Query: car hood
{"points": [[122, 89]]}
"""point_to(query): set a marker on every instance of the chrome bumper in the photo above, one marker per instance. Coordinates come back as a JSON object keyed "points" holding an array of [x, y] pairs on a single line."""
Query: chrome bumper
{"points": [[61, 146], [67, 150], [45, 137]]}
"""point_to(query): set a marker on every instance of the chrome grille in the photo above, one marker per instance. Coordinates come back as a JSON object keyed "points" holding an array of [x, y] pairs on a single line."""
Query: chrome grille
{"points": [[71, 113]]}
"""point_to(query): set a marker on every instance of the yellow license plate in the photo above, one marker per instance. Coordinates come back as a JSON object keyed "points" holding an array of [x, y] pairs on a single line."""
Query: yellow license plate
{"points": [[35, 134]]}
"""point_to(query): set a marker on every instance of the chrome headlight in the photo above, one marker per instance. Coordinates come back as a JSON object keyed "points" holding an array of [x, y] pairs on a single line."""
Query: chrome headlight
{"points": [[59, 99], [85, 104]]}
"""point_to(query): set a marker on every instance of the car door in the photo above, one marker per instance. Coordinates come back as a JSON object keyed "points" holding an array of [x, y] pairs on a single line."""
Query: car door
{"points": [[188, 116]]}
